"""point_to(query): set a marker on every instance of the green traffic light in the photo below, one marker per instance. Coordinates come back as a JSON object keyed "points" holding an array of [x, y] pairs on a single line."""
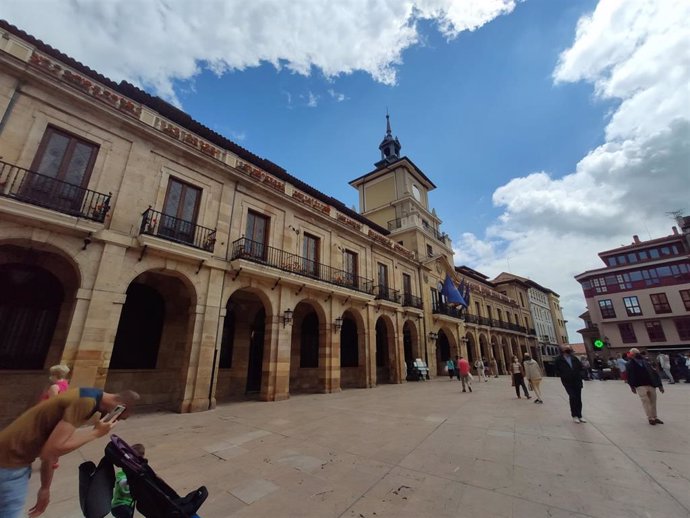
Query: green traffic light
{"points": [[599, 344]]}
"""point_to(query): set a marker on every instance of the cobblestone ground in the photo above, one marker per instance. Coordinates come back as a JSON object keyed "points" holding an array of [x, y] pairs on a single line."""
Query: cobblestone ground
{"points": [[420, 450]]}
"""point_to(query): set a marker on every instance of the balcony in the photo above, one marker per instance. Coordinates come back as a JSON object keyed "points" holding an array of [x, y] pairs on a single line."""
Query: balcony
{"points": [[50, 193], [260, 253], [444, 309], [383, 292], [412, 301], [474, 319], [154, 223], [415, 221]]}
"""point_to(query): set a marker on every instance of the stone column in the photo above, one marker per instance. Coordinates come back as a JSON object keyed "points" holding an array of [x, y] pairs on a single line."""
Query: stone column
{"points": [[96, 317], [275, 383]]}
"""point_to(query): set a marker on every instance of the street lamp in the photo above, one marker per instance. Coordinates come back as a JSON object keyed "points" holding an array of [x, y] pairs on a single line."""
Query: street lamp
{"points": [[287, 317], [433, 336], [338, 324]]}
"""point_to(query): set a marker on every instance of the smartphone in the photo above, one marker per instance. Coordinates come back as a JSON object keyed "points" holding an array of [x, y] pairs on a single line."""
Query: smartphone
{"points": [[115, 412]]}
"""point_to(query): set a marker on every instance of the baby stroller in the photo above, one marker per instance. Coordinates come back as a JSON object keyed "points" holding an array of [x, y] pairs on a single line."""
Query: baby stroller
{"points": [[153, 497]]}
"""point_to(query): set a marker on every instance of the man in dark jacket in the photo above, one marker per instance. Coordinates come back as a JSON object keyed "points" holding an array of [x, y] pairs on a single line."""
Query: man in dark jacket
{"points": [[644, 381], [569, 368]]}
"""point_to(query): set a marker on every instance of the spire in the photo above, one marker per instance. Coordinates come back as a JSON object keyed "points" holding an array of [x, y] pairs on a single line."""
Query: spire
{"points": [[390, 146]]}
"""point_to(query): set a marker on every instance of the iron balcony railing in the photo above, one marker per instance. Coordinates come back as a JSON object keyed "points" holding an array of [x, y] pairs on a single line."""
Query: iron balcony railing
{"points": [[397, 223], [44, 191], [170, 228], [258, 252], [474, 319], [445, 309], [383, 292], [412, 301]]}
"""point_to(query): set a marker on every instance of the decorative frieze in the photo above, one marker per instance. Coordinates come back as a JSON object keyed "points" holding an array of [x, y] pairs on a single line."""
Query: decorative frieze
{"points": [[311, 202], [86, 85], [260, 176], [348, 221]]}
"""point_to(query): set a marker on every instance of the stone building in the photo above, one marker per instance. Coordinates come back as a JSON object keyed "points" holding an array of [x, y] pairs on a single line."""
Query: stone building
{"points": [[641, 297], [146, 251], [498, 323]]}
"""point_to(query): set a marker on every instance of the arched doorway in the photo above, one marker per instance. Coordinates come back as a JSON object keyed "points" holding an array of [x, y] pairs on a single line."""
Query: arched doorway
{"points": [[384, 347], [30, 302], [305, 350], [153, 339], [443, 352], [38, 287], [497, 353], [410, 346], [240, 363], [352, 371], [507, 352]]}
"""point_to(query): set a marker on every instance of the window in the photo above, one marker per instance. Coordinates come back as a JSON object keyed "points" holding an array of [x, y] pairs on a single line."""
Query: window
{"points": [[660, 303], [310, 253], [351, 268], [488, 311], [654, 253], [599, 285], [527, 323], [407, 285], [611, 261], [655, 331], [685, 296], [606, 307], [683, 327], [383, 275], [180, 211], [64, 157], [256, 235], [478, 308], [624, 281], [522, 301], [429, 251], [665, 250], [632, 306], [499, 315], [643, 255], [632, 258], [627, 333]]}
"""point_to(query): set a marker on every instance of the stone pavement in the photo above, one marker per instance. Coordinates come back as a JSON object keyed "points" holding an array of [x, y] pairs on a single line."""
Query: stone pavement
{"points": [[418, 450]]}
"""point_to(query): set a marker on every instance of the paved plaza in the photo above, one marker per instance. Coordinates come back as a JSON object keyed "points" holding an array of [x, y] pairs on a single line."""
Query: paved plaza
{"points": [[418, 450]]}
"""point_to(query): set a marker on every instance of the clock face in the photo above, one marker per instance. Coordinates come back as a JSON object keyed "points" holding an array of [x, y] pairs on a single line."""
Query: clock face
{"points": [[416, 193]]}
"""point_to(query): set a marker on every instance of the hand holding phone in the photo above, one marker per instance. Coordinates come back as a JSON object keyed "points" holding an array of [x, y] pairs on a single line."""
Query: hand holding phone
{"points": [[114, 413]]}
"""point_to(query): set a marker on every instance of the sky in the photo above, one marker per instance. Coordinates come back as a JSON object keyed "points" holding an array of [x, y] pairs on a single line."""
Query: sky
{"points": [[553, 129]]}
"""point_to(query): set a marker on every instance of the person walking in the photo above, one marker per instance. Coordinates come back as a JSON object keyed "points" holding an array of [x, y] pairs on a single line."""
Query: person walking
{"points": [[568, 368], [518, 377], [463, 370], [450, 367], [533, 374], [665, 365], [644, 381], [622, 365], [49, 430], [481, 374], [493, 366]]}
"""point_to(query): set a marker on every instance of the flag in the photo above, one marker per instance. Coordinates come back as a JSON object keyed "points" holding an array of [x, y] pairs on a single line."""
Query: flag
{"points": [[466, 294], [451, 293]]}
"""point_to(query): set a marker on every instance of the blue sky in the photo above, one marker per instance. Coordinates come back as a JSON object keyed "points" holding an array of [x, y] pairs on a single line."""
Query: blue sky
{"points": [[554, 129], [472, 112]]}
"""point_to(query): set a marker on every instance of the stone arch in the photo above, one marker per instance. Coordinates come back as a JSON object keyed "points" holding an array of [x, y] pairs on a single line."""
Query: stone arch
{"points": [[473, 353], [244, 344], [153, 343], [385, 351]]}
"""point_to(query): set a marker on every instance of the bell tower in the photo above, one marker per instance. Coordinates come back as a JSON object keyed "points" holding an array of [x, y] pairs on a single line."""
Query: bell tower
{"points": [[389, 146]]}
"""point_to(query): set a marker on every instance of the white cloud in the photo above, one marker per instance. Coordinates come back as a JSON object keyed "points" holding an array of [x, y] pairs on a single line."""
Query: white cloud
{"points": [[339, 97], [634, 52], [312, 100], [155, 42]]}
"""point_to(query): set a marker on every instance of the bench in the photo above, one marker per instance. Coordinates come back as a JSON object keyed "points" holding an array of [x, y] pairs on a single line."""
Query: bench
{"points": [[418, 371]]}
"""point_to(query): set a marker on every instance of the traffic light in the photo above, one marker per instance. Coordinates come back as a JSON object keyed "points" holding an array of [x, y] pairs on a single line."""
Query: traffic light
{"points": [[599, 344]]}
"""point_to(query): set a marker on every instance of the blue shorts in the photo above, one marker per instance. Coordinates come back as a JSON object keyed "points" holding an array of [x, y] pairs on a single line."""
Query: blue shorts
{"points": [[14, 484]]}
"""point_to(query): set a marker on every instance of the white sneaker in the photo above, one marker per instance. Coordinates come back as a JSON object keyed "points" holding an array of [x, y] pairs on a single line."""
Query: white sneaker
{"points": [[582, 419], [576, 420]]}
